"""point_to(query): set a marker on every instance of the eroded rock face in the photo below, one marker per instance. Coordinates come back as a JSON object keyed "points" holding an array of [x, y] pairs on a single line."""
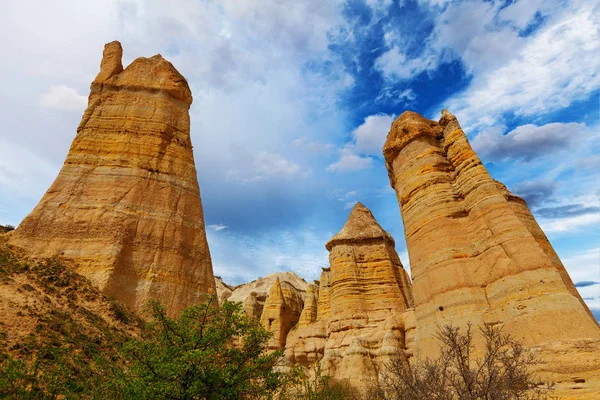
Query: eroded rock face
{"points": [[125, 208], [477, 254], [281, 312], [362, 298], [253, 295]]}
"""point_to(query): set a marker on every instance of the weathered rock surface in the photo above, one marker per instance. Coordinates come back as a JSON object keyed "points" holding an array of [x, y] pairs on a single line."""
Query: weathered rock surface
{"points": [[254, 294], [362, 298], [281, 312], [478, 256], [125, 208]]}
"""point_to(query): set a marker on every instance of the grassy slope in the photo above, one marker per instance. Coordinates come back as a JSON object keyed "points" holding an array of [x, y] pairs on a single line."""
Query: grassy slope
{"points": [[53, 320]]}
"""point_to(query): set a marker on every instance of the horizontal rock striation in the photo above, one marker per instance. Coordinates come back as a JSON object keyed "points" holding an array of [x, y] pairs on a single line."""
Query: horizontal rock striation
{"points": [[281, 312], [125, 208], [362, 299], [477, 254]]}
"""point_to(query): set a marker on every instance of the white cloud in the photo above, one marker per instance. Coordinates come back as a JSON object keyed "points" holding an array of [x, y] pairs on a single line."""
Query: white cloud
{"points": [[556, 66], [527, 141], [350, 162], [395, 66], [468, 30], [571, 224], [313, 147], [63, 98], [218, 227], [241, 258], [521, 12], [274, 165], [370, 136]]}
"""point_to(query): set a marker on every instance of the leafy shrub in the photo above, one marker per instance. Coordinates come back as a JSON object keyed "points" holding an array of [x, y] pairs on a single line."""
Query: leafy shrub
{"points": [[209, 352]]}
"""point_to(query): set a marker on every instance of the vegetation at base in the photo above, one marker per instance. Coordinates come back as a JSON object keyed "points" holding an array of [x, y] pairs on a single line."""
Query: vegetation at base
{"points": [[6, 228], [68, 345], [314, 384], [501, 372], [211, 352]]}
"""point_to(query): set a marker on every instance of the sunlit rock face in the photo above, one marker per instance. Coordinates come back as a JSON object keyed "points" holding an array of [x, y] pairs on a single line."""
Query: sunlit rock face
{"points": [[360, 310], [125, 209], [281, 312], [253, 295], [478, 256]]}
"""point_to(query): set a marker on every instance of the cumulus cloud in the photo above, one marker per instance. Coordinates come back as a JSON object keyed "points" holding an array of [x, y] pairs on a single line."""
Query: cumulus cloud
{"points": [[63, 98], [556, 66], [527, 141], [350, 162], [370, 136], [570, 224], [367, 140], [396, 66]]}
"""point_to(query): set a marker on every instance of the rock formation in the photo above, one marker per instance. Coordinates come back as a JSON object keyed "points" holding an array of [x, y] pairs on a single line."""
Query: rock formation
{"points": [[281, 312], [362, 298], [254, 294], [125, 209], [478, 256]]}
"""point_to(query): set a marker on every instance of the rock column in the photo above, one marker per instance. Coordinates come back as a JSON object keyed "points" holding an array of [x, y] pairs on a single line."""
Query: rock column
{"points": [[125, 208]]}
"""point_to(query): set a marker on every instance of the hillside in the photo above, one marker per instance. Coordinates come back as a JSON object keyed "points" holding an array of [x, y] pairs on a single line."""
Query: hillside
{"points": [[52, 319]]}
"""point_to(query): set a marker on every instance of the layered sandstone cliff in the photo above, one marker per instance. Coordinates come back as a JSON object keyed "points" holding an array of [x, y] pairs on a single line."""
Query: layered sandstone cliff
{"points": [[478, 256], [125, 209], [361, 305]]}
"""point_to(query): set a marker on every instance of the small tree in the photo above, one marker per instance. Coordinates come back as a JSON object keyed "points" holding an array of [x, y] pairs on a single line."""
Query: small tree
{"points": [[210, 352], [501, 373]]}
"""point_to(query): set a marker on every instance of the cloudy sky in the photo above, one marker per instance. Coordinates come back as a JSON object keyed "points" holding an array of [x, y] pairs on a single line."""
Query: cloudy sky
{"points": [[293, 100]]}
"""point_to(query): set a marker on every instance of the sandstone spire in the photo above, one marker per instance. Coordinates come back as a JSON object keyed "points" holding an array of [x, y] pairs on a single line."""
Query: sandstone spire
{"points": [[281, 312], [362, 300], [477, 255], [125, 208]]}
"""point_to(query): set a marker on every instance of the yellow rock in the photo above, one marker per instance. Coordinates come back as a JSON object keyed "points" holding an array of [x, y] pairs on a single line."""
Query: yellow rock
{"points": [[478, 256], [281, 312], [362, 299], [125, 209]]}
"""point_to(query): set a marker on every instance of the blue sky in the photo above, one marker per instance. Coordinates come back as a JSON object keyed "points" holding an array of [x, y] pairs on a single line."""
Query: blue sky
{"points": [[293, 100]]}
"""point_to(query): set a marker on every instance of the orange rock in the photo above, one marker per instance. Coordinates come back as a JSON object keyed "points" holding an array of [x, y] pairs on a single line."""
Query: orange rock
{"points": [[478, 256], [125, 209], [281, 312], [362, 299]]}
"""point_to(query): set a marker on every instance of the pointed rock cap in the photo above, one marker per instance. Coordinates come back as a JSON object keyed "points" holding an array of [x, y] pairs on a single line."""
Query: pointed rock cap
{"points": [[361, 225], [275, 293], [111, 63], [407, 127], [154, 74], [446, 118]]}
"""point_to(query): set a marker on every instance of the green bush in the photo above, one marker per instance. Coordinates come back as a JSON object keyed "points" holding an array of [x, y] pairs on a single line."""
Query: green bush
{"points": [[209, 352]]}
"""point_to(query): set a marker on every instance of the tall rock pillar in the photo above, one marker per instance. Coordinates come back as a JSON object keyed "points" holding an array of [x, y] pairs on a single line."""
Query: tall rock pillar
{"points": [[477, 254], [125, 208], [368, 294]]}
